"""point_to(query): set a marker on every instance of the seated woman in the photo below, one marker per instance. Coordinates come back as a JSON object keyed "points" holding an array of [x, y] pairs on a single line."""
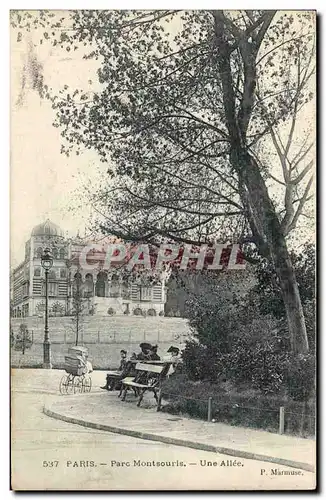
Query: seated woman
{"points": [[173, 355], [85, 364], [114, 376]]}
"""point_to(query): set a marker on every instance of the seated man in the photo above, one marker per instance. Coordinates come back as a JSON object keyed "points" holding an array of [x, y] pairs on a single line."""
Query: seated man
{"points": [[114, 375], [153, 353], [145, 353]]}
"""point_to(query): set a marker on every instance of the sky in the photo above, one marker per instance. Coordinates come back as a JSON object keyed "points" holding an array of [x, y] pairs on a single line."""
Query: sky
{"points": [[43, 181]]}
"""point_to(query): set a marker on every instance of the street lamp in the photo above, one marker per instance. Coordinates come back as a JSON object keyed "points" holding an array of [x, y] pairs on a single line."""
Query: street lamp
{"points": [[47, 263]]}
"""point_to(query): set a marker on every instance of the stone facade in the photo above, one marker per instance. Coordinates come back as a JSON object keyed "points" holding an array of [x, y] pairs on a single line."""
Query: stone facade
{"points": [[101, 292]]}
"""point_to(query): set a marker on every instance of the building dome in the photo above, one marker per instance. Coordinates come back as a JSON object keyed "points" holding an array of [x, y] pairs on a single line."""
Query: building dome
{"points": [[47, 228]]}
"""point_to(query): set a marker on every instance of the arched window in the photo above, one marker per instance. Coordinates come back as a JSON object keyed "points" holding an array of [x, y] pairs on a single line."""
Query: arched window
{"points": [[62, 253], [39, 252], [55, 253], [115, 286], [101, 284], [88, 290], [52, 274], [37, 271]]}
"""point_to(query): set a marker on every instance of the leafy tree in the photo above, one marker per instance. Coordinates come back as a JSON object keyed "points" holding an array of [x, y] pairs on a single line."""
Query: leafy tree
{"points": [[268, 286], [12, 337], [249, 304], [78, 304], [193, 108], [23, 339]]}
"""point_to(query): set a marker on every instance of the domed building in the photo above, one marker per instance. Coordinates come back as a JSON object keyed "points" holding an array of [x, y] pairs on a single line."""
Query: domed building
{"points": [[47, 228], [102, 292]]}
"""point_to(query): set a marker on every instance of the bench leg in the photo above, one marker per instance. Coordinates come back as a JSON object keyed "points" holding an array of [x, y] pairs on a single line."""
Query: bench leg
{"points": [[124, 394], [159, 400], [141, 396]]}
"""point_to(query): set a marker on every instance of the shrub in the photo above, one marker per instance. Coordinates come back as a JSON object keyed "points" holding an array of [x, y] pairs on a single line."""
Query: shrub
{"points": [[234, 406], [111, 311], [261, 363], [202, 362]]}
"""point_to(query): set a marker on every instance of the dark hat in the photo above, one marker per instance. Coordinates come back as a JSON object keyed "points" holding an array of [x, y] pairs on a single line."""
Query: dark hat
{"points": [[173, 349], [124, 352], [154, 347], [145, 345]]}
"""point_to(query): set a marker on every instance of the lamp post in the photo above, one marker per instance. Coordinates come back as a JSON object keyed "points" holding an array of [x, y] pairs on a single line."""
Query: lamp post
{"points": [[47, 263]]}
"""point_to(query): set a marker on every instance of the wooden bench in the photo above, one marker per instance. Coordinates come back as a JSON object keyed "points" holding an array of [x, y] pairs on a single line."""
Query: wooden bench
{"points": [[149, 377]]}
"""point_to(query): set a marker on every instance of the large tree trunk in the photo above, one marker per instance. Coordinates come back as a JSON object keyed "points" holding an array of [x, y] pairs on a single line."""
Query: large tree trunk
{"points": [[271, 242], [260, 211], [291, 299]]}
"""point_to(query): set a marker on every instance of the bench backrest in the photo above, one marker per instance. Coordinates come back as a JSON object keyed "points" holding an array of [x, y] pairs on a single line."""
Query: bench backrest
{"points": [[147, 367], [146, 372]]}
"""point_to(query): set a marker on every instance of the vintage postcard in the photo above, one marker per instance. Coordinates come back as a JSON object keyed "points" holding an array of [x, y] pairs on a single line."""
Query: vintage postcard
{"points": [[162, 281]]}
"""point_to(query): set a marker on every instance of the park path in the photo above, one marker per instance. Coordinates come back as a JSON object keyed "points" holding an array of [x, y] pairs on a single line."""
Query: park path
{"points": [[104, 410], [139, 434]]}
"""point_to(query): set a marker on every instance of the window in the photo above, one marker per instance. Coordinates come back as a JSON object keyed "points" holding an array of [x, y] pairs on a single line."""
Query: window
{"points": [[88, 286], [61, 253], [37, 271], [126, 291], [25, 289], [115, 286], [145, 293], [39, 252], [52, 274], [52, 289], [55, 253], [63, 273], [27, 250], [101, 283]]}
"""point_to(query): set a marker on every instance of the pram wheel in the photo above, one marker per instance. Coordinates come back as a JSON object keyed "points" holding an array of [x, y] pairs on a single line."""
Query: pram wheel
{"points": [[77, 384], [63, 384], [87, 384]]}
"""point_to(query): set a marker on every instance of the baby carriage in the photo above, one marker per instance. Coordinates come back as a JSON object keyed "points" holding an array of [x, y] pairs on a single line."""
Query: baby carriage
{"points": [[78, 370]]}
